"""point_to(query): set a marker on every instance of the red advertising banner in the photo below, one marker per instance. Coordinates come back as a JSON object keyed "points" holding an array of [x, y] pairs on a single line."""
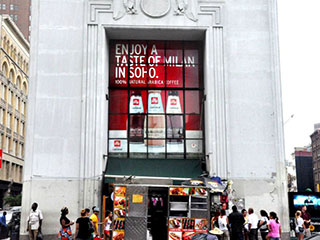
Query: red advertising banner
{"points": [[0, 158]]}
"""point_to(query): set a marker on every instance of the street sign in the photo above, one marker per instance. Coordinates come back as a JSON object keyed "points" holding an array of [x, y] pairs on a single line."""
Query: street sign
{"points": [[0, 158]]}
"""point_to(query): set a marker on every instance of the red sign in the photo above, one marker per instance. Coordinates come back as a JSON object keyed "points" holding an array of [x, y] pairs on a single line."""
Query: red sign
{"points": [[136, 102], [0, 158], [154, 100], [173, 102], [117, 143]]}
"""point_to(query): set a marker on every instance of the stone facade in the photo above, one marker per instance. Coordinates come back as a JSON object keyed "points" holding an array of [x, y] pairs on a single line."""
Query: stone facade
{"points": [[67, 133]]}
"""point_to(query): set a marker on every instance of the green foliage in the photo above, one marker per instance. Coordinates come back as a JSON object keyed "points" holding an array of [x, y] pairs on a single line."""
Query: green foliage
{"points": [[13, 200]]}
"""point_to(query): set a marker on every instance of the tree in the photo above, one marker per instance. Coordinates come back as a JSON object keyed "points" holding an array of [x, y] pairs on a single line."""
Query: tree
{"points": [[13, 200]]}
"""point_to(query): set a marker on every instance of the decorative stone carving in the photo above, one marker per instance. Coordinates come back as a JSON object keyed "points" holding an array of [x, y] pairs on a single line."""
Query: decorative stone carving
{"points": [[121, 7], [188, 8], [156, 8]]}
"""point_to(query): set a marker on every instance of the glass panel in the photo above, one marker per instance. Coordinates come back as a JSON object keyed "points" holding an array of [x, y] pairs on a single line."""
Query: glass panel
{"points": [[174, 76], [194, 148], [192, 76], [193, 126], [119, 52], [118, 126], [138, 150], [136, 132], [175, 126], [156, 129], [192, 52], [155, 52], [156, 75], [175, 148], [138, 101], [119, 101], [118, 75], [138, 75], [138, 52], [156, 101], [174, 102], [193, 101], [174, 53], [118, 147], [158, 150]]}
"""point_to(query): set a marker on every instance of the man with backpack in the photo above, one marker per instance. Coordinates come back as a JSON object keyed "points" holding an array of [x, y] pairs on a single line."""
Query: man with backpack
{"points": [[34, 222]]}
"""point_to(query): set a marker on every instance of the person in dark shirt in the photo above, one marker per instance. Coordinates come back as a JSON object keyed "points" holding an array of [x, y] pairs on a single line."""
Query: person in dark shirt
{"points": [[83, 227], [236, 220], [65, 231], [307, 220]]}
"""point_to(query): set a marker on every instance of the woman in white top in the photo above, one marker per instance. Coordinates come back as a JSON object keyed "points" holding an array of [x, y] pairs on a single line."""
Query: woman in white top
{"points": [[263, 224], [299, 225], [107, 230], [223, 225]]}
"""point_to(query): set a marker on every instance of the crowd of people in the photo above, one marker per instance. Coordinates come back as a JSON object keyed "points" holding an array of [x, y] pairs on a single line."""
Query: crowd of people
{"points": [[247, 225], [87, 226]]}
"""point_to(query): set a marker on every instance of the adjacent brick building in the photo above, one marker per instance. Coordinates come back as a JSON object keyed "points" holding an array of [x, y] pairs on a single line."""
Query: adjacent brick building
{"points": [[315, 141], [20, 12]]}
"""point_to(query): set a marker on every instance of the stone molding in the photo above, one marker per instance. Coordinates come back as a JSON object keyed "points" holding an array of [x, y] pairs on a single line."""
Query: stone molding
{"points": [[191, 10]]}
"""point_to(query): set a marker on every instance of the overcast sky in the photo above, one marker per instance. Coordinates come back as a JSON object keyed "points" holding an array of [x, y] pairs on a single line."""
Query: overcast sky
{"points": [[299, 30]]}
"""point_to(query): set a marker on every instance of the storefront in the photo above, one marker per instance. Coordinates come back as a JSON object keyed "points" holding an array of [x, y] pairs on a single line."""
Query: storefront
{"points": [[151, 94]]}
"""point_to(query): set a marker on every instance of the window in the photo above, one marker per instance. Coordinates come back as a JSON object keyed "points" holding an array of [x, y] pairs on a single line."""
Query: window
{"points": [[156, 93], [15, 17], [11, 7], [3, 6], [8, 120], [8, 144], [22, 129], [16, 121]]}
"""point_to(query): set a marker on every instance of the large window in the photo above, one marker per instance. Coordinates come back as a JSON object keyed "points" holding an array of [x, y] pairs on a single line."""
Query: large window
{"points": [[156, 99]]}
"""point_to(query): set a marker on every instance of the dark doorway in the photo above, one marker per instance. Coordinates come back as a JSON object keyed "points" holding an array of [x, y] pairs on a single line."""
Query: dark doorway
{"points": [[158, 213]]}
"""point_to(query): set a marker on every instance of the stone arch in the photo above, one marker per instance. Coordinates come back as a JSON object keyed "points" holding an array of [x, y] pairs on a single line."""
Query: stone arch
{"points": [[7, 46], [25, 87], [4, 68], [12, 75], [18, 81]]}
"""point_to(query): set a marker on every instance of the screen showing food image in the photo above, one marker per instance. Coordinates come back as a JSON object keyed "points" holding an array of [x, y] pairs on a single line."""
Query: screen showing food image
{"points": [[175, 235], [179, 191], [119, 213], [120, 202], [200, 192], [120, 191], [118, 235], [188, 235], [175, 223], [201, 224]]}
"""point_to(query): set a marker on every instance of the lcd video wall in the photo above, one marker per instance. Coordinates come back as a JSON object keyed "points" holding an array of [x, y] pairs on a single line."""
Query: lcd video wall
{"points": [[156, 99]]}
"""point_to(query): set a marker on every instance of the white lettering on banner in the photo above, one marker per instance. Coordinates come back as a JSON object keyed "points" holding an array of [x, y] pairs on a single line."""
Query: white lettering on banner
{"points": [[137, 55]]}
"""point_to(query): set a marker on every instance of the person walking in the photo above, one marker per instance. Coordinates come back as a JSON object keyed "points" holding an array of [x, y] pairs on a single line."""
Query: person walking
{"points": [[245, 225], [107, 230], [83, 227], [34, 221], [263, 224], [3, 226], [300, 227], [95, 220], [236, 221], [274, 227], [307, 220], [65, 231], [223, 223], [253, 225]]}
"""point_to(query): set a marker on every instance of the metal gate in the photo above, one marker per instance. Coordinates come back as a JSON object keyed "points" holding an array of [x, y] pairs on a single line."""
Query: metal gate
{"points": [[136, 216]]}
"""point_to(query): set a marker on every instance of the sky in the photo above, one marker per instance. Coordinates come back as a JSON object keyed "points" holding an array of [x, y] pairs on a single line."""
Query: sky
{"points": [[299, 36]]}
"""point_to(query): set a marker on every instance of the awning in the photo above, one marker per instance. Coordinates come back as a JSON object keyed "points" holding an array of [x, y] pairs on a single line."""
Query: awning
{"points": [[161, 168]]}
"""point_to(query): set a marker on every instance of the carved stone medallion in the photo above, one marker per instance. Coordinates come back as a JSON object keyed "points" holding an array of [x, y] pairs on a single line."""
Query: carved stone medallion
{"points": [[155, 8]]}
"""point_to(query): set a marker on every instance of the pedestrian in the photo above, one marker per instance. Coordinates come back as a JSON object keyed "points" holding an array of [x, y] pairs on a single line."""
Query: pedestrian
{"points": [[95, 220], [307, 220], [223, 225], [83, 226], [34, 221], [245, 225], [236, 221], [263, 224], [3, 226], [107, 230], [65, 231], [274, 227], [214, 220], [253, 224], [300, 227]]}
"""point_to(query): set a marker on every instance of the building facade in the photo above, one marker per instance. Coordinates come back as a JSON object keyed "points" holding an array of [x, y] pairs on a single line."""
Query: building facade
{"points": [[20, 13], [14, 94], [304, 168], [315, 143], [151, 93]]}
